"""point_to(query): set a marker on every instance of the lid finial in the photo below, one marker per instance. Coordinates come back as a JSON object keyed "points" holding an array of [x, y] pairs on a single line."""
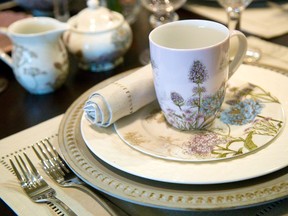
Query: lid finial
{"points": [[93, 4]]}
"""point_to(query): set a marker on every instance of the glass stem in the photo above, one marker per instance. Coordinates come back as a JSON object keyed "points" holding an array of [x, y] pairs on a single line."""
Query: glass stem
{"points": [[160, 19], [234, 17]]}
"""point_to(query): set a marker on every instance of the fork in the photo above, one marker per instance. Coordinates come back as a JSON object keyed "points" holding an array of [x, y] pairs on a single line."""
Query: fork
{"points": [[35, 186], [60, 172]]}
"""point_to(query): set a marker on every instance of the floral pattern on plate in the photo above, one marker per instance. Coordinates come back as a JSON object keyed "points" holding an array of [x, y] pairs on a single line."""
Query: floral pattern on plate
{"points": [[250, 118]]}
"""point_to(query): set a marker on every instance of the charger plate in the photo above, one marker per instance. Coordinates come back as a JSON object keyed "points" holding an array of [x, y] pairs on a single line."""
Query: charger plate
{"points": [[123, 185]]}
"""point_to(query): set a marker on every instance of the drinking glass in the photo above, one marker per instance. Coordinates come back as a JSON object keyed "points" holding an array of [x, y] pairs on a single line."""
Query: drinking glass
{"points": [[234, 9], [61, 10], [163, 11]]}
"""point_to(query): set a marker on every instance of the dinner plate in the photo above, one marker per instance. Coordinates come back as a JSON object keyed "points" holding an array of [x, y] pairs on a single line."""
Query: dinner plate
{"points": [[249, 119], [146, 192], [106, 145]]}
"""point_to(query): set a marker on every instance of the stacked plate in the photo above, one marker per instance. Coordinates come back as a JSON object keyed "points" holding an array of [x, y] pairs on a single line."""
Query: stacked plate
{"points": [[144, 161]]}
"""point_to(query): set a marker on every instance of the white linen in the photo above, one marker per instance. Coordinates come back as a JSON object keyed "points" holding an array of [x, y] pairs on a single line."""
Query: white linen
{"points": [[121, 98], [10, 188], [272, 54], [266, 22]]}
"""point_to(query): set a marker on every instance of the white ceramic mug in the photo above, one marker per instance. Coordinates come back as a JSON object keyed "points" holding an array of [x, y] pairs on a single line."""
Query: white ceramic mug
{"points": [[190, 61]]}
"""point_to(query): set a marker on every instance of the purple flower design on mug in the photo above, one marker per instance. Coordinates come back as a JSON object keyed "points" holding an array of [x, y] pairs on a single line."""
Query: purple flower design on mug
{"points": [[195, 111], [177, 99], [198, 73]]}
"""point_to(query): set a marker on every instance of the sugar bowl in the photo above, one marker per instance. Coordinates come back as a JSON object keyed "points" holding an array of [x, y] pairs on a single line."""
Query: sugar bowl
{"points": [[98, 37]]}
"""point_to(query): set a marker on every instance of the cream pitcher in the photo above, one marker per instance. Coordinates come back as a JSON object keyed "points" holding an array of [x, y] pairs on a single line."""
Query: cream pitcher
{"points": [[39, 57]]}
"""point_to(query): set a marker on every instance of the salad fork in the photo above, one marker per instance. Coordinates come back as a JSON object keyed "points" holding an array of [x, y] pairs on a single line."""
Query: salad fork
{"points": [[58, 170], [35, 186]]}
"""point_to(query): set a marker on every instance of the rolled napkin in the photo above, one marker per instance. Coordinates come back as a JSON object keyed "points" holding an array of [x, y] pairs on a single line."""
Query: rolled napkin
{"points": [[120, 98]]}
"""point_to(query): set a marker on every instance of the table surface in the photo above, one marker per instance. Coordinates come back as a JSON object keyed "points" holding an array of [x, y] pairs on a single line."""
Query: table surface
{"points": [[21, 110]]}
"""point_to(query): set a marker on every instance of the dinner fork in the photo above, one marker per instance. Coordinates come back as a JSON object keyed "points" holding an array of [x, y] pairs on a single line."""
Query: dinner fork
{"points": [[35, 186], [60, 172]]}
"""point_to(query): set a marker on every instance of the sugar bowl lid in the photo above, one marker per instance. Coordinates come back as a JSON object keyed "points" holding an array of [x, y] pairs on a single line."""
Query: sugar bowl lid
{"points": [[95, 18]]}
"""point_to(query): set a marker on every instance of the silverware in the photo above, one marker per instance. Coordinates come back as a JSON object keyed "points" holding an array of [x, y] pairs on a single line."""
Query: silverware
{"points": [[35, 186], [59, 171]]}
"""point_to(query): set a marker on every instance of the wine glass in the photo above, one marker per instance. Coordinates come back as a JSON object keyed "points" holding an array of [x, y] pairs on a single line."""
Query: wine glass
{"points": [[234, 9], [163, 11]]}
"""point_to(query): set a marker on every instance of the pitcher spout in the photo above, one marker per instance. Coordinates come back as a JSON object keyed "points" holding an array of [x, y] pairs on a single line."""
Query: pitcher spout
{"points": [[60, 27], [36, 26]]}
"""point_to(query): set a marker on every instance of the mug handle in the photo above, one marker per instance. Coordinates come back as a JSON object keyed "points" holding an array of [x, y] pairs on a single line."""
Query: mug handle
{"points": [[240, 51]]}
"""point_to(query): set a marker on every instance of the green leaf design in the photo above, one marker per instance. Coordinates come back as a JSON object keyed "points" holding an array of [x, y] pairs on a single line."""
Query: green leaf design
{"points": [[234, 141], [248, 143]]}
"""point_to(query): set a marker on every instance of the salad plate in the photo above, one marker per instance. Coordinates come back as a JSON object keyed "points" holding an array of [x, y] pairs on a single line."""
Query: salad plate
{"points": [[271, 183], [249, 119]]}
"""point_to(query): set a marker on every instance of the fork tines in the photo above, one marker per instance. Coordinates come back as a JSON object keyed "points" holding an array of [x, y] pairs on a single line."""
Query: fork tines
{"points": [[28, 174], [50, 159]]}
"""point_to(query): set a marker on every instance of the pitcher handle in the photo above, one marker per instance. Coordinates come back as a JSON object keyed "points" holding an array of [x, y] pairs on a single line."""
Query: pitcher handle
{"points": [[240, 53], [4, 56]]}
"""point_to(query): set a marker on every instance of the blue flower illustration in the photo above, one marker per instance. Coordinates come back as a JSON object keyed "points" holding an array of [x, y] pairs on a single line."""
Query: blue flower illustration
{"points": [[212, 103], [242, 113]]}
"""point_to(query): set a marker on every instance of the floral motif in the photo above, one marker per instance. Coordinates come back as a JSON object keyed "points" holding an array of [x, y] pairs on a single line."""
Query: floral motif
{"points": [[30, 72], [198, 73], [198, 111], [241, 113], [22, 55], [202, 144], [265, 126], [241, 126], [177, 99], [135, 138]]}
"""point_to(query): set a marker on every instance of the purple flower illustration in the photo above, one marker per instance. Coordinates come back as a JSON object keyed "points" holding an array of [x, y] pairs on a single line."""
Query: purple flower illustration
{"points": [[198, 73], [203, 144], [199, 90], [177, 99]]}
